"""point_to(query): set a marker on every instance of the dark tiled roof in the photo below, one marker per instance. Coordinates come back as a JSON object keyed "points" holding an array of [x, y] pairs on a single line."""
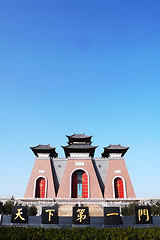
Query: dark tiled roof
{"points": [[79, 136], [79, 143], [44, 149], [79, 146], [40, 147], [114, 149]]}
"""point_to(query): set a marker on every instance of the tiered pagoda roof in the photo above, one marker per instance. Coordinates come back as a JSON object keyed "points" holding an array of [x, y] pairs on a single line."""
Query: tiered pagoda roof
{"points": [[44, 149], [114, 149], [79, 138], [79, 143]]}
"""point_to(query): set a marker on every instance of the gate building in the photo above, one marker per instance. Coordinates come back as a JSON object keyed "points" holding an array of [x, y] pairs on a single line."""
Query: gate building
{"points": [[79, 175]]}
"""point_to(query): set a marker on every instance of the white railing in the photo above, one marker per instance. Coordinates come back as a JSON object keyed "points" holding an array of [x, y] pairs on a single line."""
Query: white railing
{"points": [[39, 203]]}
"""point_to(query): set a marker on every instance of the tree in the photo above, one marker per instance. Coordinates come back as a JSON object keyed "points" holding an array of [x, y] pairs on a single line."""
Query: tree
{"points": [[128, 210], [8, 207], [1, 207], [32, 211], [155, 208]]}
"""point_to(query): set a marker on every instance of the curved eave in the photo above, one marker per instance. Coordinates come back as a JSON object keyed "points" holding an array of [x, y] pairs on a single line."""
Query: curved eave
{"points": [[84, 138], [90, 150], [87, 147], [106, 152], [51, 151]]}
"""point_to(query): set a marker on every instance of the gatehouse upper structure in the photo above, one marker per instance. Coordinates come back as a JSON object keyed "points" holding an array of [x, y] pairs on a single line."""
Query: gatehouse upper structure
{"points": [[79, 175]]}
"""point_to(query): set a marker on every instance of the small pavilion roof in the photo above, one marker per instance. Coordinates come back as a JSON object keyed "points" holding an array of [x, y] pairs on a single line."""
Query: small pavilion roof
{"points": [[79, 143], [44, 149], [79, 138], [114, 149]]}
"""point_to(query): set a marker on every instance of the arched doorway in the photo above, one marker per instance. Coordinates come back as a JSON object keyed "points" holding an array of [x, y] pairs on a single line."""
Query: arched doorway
{"points": [[79, 184], [118, 188], [40, 188]]}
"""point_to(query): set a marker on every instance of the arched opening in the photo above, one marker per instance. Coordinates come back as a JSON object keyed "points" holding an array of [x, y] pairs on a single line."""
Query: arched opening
{"points": [[79, 184], [40, 188], [118, 188]]}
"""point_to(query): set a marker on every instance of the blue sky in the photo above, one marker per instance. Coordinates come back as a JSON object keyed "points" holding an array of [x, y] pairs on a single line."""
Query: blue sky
{"points": [[80, 67]]}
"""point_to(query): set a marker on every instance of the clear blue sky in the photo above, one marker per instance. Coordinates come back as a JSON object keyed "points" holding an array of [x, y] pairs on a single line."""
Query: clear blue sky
{"points": [[80, 67]]}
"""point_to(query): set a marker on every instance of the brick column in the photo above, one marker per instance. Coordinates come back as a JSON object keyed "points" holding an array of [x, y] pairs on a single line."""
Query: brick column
{"points": [[117, 168], [79, 164], [41, 168]]}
